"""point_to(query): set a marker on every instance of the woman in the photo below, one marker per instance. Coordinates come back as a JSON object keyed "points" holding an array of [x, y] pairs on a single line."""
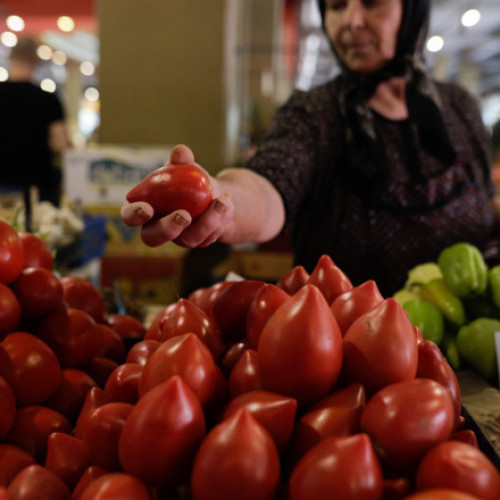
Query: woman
{"points": [[380, 168]]}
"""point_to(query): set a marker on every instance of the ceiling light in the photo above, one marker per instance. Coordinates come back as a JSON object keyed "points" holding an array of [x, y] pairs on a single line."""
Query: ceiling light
{"points": [[8, 38], [44, 52], [471, 18], [59, 58], [4, 74], [91, 94], [87, 68], [15, 23], [435, 43], [48, 85], [65, 23]]}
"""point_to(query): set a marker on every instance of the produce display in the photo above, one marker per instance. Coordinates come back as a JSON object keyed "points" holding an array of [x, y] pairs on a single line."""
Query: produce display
{"points": [[310, 388], [455, 302]]}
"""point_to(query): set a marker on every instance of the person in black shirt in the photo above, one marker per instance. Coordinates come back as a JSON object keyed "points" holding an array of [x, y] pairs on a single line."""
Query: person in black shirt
{"points": [[32, 129]]}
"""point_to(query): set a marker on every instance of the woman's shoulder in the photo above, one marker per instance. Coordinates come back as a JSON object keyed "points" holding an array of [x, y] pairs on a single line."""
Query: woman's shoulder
{"points": [[455, 94]]}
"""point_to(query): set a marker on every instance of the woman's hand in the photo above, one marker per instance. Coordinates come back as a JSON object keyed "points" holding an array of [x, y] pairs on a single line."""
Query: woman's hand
{"points": [[179, 226]]}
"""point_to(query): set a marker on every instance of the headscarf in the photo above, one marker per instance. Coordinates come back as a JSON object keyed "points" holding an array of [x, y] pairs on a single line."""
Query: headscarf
{"points": [[423, 101]]}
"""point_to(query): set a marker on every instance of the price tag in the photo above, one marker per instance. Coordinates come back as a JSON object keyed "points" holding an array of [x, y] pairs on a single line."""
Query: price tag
{"points": [[497, 349]]}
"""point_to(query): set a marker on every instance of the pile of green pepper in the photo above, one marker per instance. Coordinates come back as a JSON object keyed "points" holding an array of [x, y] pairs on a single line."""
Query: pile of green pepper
{"points": [[455, 302]]}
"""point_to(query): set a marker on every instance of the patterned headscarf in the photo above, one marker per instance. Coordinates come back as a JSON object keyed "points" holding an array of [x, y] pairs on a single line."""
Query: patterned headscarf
{"points": [[423, 101]]}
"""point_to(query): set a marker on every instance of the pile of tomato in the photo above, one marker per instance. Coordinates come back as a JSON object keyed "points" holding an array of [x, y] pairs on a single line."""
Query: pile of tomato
{"points": [[310, 388]]}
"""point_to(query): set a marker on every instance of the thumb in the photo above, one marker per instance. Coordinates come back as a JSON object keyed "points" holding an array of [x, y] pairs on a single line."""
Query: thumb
{"points": [[181, 154]]}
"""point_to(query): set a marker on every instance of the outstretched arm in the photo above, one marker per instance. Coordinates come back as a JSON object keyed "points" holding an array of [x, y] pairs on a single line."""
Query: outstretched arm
{"points": [[246, 208]]}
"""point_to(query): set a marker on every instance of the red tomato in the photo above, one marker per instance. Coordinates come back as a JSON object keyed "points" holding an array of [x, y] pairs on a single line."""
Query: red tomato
{"points": [[184, 317], [13, 459], [118, 486], [81, 294], [396, 488], [467, 436], [123, 383], [165, 455], [100, 369], [10, 310], [339, 467], [329, 278], [293, 280], [7, 407], [205, 298], [461, 467], [276, 413], [90, 475], [36, 252], [432, 364], [231, 357], [83, 340], [300, 348], [139, 353], [337, 414], [348, 306], [231, 307], [261, 309], [95, 398], [32, 426], [245, 375], [112, 346], [11, 253], [237, 459], [37, 371], [408, 418], [102, 431], [67, 456], [174, 187], [186, 356], [70, 394], [441, 494], [38, 291], [34, 479], [126, 325], [380, 348]]}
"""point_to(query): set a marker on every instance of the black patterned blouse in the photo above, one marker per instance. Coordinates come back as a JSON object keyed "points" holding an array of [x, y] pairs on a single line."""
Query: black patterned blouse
{"points": [[377, 225]]}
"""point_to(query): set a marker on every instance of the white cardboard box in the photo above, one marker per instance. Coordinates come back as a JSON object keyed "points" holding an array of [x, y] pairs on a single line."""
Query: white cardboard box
{"points": [[104, 174]]}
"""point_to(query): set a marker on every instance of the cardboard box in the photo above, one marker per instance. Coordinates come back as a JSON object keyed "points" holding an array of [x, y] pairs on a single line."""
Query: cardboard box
{"points": [[104, 174]]}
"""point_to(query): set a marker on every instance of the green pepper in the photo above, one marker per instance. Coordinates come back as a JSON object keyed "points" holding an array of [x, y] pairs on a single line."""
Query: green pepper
{"points": [[427, 317], [476, 343], [422, 273], [452, 308], [404, 295], [464, 269], [494, 281], [450, 350]]}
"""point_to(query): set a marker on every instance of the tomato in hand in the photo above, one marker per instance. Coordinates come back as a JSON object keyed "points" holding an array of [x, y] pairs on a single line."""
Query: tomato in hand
{"points": [[11, 253], [237, 459], [174, 187]]}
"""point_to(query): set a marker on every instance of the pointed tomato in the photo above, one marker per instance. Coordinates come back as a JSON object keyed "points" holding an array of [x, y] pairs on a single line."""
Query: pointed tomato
{"points": [[34, 479], [300, 348], [116, 485], [139, 353], [380, 348], [293, 280], [329, 278], [123, 383], [237, 459], [164, 456], [245, 374], [348, 306], [12, 460]]}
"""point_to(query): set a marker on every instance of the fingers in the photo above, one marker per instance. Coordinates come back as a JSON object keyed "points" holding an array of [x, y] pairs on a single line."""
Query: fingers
{"points": [[210, 226], [181, 155], [137, 213], [156, 232]]}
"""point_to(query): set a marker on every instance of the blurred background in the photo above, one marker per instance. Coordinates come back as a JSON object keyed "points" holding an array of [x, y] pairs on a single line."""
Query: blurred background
{"points": [[139, 76]]}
